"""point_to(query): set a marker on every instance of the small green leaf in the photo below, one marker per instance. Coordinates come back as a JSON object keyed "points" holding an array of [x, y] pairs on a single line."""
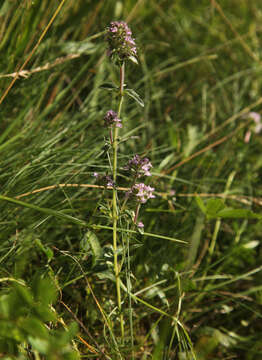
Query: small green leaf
{"points": [[135, 96], [251, 244], [40, 345], [91, 242], [45, 313], [213, 207], [106, 274], [73, 329], [141, 230], [133, 59], [24, 294], [34, 327], [238, 214], [109, 86], [45, 249], [84, 245], [78, 47], [63, 337], [45, 290], [201, 204], [193, 136]]}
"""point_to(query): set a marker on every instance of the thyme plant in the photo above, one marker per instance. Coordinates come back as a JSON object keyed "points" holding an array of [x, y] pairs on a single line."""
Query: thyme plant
{"points": [[121, 49]]}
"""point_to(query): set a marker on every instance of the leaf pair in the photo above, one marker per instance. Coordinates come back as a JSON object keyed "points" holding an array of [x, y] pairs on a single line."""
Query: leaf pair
{"points": [[130, 92]]}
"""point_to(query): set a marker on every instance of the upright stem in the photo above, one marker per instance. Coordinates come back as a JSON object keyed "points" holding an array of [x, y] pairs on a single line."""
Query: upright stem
{"points": [[115, 209], [137, 212]]}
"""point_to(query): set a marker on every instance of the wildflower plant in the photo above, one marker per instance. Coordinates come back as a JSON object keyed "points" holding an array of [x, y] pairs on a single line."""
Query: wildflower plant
{"points": [[50, 141], [121, 49]]}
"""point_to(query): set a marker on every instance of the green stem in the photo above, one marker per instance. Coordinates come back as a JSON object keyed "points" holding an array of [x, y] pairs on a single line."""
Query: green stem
{"points": [[115, 209], [137, 212], [129, 289]]}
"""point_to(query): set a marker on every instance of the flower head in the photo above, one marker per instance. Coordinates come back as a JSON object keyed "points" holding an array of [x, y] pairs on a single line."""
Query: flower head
{"points": [[140, 166], [142, 192], [112, 119], [140, 225], [121, 45], [104, 180]]}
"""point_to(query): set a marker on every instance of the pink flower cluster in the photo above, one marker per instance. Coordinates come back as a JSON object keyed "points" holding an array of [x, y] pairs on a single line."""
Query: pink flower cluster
{"points": [[121, 45], [104, 180], [142, 192], [112, 119], [140, 166]]}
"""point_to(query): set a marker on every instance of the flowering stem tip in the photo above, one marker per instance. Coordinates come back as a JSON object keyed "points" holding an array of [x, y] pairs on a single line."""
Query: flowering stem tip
{"points": [[121, 45]]}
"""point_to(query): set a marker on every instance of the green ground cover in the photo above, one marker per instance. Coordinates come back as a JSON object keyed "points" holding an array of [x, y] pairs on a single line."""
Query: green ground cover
{"points": [[191, 283]]}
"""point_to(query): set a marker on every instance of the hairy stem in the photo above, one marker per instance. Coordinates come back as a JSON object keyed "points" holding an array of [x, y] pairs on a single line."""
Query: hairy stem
{"points": [[137, 212], [115, 209]]}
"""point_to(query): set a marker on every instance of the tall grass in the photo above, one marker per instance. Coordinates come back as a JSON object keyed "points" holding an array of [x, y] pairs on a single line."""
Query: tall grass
{"points": [[191, 283]]}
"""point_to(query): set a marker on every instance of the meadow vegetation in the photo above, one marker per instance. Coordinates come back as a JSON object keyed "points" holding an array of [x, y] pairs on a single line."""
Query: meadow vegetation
{"points": [[189, 285]]}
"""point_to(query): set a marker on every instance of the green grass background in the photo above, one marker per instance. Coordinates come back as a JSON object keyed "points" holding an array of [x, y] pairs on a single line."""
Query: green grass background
{"points": [[199, 73]]}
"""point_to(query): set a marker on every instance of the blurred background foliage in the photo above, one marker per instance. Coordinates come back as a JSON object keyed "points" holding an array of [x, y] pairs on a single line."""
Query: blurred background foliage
{"points": [[199, 73]]}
